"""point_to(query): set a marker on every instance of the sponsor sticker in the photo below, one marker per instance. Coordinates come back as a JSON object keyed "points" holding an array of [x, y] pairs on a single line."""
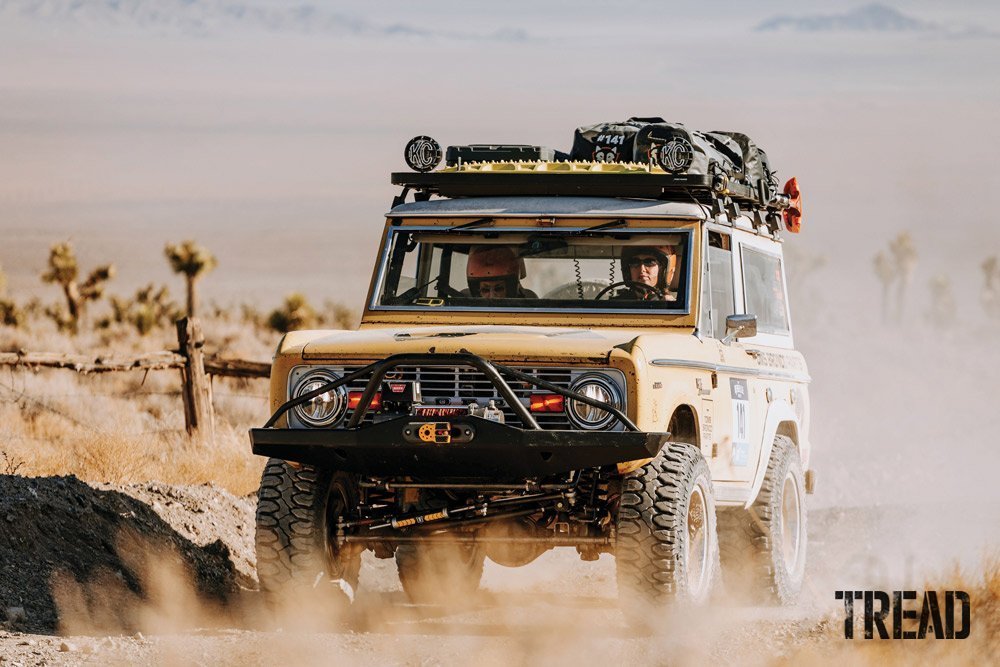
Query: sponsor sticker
{"points": [[740, 393]]}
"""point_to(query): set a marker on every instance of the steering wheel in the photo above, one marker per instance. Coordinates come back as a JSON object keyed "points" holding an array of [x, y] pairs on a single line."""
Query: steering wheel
{"points": [[648, 291], [444, 291]]}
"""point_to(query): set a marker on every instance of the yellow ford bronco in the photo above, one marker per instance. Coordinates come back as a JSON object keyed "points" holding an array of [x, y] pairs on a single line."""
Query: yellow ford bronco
{"points": [[589, 350]]}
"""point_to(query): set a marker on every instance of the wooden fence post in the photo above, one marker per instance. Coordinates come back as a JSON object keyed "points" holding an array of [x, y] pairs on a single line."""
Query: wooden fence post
{"points": [[196, 391]]}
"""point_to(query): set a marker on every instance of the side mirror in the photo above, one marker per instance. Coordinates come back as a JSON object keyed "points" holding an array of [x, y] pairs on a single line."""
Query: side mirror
{"points": [[742, 326]]}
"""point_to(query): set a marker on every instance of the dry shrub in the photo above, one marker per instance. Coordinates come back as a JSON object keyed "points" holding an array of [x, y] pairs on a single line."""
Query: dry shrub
{"points": [[117, 429], [129, 427]]}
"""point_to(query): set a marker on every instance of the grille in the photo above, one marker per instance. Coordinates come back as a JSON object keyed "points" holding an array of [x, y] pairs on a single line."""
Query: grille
{"points": [[459, 385]]}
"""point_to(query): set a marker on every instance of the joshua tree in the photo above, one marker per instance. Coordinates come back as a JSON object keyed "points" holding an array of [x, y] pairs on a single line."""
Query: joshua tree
{"points": [[10, 315], [886, 273], [192, 261], [991, 286], [148, 309], [904, 253], [896, 268], [943, 309], [295, 313], [63, 270]]}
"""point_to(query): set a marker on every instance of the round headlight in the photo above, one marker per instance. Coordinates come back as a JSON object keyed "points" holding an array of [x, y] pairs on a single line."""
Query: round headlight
{"points": [[600, 389], [325, 409]]}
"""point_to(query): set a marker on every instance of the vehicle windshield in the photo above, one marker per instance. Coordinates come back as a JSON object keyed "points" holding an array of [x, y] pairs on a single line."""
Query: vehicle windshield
{"points": [[535, 270]]}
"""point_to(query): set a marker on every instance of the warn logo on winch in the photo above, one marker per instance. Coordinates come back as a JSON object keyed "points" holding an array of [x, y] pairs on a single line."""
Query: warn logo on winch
{"points": [[437, 411]]}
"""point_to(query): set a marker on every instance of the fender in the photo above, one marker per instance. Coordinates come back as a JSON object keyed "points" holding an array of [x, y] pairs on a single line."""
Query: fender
{"points": [[779, 411]]}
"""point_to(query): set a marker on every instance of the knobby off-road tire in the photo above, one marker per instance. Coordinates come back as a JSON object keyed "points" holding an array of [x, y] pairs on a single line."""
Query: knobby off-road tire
{"points": [[296, 511], [764, 548], [667, 549], [439, 573]]}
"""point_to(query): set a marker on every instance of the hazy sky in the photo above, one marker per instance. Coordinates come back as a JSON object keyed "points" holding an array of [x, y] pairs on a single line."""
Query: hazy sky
{"points": [[253, 126]]}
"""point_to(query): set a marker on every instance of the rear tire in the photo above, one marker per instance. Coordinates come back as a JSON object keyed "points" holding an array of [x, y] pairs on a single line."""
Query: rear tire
{"points": [[667, 548], [297, 510], [764, 548], [439, 573]]}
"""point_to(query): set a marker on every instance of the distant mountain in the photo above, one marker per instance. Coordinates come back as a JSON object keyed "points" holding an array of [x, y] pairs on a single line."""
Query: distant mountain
{"points": [[869, 18], [208, 17]]}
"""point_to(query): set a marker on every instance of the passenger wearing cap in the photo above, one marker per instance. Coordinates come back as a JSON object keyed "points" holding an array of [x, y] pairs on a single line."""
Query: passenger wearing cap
{"points": [[652, 266], [495, 272]]}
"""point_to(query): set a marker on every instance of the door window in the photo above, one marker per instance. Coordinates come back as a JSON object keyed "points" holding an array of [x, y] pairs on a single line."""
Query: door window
{"points": [[764, 290], [717, 301]]}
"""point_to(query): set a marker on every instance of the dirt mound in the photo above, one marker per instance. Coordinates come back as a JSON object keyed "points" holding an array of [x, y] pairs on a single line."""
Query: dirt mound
{"points": [[60, 533]]}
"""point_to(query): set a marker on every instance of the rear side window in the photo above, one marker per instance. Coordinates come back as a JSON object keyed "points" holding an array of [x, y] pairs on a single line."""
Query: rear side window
{"points": [[718, 302], [764, 290]]}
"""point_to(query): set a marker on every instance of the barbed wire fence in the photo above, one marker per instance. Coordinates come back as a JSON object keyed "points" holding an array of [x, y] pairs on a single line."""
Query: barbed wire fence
{"points": [[195, 389]]}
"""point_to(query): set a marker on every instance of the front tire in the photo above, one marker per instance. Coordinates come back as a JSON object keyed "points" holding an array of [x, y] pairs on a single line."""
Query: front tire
{"points": [[667, 548], [297, 511], [764, 548]]}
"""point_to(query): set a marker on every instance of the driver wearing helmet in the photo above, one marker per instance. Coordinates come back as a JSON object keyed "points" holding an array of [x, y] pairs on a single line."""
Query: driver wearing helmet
{"points": [[648, 271], [495, 272]]}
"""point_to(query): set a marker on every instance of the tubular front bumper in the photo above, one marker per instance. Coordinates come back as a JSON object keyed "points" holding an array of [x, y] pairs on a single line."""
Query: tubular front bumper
{"points": [[468, 446], [493, 450]]}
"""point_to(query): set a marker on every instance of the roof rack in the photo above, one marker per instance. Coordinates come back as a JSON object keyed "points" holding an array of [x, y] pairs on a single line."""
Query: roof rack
{"points": [[593, 179], [523, 170]]}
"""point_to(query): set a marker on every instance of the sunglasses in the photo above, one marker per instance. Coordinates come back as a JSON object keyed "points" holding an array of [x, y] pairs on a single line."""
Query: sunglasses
{"points": [[648, 262]]}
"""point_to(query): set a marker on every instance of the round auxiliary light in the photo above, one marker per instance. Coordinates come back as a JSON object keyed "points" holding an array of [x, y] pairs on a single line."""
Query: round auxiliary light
{"points": [[675, 156], [598, 388], [720, 183], [325, 409], [422, 153]]}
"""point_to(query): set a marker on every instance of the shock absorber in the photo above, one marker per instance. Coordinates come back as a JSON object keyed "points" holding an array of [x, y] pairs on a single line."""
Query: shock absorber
{"points": [[414, 520]]}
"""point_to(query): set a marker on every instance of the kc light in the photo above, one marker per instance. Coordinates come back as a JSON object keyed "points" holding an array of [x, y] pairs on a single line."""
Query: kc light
{"points": [[325, 409], [598, 388], [422, 154]]}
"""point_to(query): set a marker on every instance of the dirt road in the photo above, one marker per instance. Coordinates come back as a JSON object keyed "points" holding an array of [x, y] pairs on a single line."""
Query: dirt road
{"points": [[162, 575]]}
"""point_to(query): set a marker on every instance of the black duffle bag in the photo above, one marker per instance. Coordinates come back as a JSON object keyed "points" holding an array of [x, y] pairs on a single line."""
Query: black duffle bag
{"points": [[608, 142], [754, 166], [679, 150]]}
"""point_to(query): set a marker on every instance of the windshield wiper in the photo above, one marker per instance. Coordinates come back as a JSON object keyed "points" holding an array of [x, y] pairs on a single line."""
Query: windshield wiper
{"points": [[470, 225], [610, 224]]}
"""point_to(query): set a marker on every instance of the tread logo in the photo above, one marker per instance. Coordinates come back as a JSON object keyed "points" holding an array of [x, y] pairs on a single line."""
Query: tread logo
{"points": [[930, 623]]}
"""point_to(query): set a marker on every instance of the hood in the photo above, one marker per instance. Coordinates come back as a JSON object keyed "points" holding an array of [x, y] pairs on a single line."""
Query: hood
{"points": [[502, 343]]}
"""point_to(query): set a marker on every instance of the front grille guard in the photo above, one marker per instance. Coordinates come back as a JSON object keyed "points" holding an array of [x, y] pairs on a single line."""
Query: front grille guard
{"points": [[494, 373]]}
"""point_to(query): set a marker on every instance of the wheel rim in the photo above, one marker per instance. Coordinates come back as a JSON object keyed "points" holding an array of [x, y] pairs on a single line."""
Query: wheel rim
{"points": [[697, 542], [791, 522]]}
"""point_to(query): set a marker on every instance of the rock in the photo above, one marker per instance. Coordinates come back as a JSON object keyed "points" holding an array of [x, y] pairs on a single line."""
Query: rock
{"points": [[66, 647]]}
